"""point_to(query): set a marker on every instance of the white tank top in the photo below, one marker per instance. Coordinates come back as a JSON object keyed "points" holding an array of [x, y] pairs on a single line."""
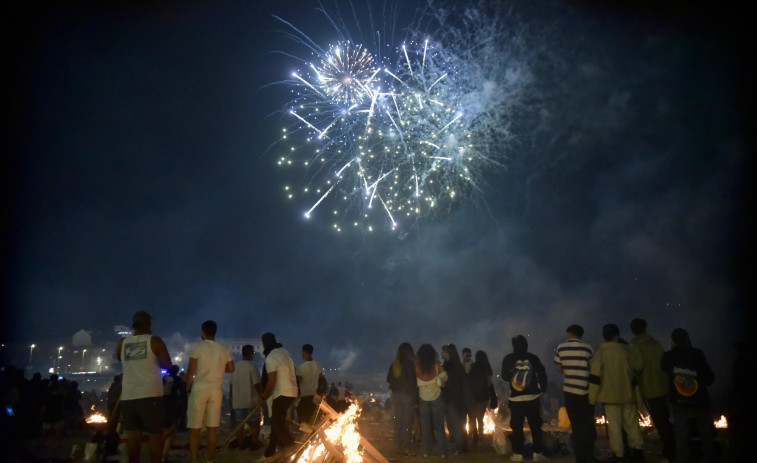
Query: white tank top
{"points": [[142, 377]]}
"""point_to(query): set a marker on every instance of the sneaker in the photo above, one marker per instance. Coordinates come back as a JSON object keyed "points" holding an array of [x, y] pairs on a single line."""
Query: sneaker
{"points": [[539, 457], [516, 457]]}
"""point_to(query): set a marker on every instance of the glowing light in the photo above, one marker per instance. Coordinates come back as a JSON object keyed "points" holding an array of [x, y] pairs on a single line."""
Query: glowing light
{"points": [[721, 423], [433, 112], [96, 418]]}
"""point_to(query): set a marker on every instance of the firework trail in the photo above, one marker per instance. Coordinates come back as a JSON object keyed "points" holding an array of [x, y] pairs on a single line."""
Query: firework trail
{"points": [[393, 137]]}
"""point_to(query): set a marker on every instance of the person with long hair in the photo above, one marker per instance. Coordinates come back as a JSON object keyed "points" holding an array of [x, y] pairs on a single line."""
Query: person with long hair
{"points": [[454, 397], [430, 376], [402, 383], [480, 381]]}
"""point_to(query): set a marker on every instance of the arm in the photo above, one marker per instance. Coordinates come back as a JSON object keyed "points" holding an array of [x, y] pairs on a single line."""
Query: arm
{"points": [[118, 349], [161, 351], [229, 366], [507, 367], [191, 369], [595, 370], [269, 385]]}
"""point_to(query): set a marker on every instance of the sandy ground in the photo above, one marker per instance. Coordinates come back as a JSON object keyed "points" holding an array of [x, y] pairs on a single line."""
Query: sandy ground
{"points": [[376, 428]]}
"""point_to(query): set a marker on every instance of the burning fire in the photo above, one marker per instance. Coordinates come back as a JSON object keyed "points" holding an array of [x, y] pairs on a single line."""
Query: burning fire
{"points": [[96, 418], [645, 421], [341, 433], [489, 423]]}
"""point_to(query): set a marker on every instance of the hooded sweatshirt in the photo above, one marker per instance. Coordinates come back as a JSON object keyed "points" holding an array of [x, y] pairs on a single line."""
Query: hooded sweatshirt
{"points": [[524, 371]]}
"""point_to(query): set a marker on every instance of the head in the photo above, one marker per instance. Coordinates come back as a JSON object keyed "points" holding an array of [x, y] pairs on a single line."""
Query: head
{"points": [[209, 329], [610, 332], [638, 326], [248, 352], [482, 358], [427, 358], [141, 322], [467, 354], [575, 331], [405, 351], [269, 340], [307, 351], [520, 344], [451, 354], [680, 338]]}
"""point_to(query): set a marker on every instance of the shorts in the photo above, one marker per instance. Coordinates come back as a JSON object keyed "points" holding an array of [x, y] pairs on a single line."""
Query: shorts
{"points": [[143, 414], [204, 403]]}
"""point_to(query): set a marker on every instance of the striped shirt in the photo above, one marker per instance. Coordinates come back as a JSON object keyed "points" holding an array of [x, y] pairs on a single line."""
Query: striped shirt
{"points": [[573, 357]]}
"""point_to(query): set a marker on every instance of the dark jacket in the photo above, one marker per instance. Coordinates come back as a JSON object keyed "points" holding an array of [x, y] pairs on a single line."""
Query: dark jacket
{"points": [[406, 381], [454, 389], [690, 375], [525, 373]]}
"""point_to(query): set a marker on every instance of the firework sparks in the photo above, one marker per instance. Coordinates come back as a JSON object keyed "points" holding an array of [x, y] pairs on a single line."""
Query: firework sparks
{"points": [[412, 130]]}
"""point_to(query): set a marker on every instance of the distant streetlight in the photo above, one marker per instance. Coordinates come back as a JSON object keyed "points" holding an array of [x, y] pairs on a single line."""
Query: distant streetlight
{"points": [[99, 364], [31, 351], [84, 351], [58, 359]]}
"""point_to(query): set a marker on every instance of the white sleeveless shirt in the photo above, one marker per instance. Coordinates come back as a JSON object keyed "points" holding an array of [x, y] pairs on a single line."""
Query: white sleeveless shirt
{"points": [[142, 377]]}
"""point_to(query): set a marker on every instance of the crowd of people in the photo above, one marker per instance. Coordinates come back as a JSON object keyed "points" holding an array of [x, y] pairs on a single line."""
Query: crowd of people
{"points": [[440, 395], [155, 405]]}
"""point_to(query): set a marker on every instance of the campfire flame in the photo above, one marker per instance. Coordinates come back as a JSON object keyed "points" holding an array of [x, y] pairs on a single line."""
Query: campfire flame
{"points": [[96, 418], [341, 435], [645, 421]]}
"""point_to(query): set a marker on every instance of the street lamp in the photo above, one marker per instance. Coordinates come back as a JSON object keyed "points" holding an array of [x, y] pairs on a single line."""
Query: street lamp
{"points": [[58, 360], [31, 351], [84, 351], [99, 364]]}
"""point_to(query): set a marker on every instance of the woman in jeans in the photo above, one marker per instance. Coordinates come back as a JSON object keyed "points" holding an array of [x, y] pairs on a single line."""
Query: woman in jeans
{"points": [[430, 377], [401, 379]]}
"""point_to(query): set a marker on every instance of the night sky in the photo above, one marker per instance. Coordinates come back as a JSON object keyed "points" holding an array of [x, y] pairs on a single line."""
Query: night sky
{"points": [[142, 176]]}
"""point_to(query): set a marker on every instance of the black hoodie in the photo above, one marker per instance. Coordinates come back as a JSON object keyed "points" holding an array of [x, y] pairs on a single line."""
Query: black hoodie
{"points": [[523, 370]]}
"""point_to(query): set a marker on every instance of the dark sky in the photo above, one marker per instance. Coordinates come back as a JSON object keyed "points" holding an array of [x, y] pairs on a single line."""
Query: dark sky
{"points": [[139, 177]]}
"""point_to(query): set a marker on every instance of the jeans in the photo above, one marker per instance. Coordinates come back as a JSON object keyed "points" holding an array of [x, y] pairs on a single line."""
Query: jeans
{"points": [[456, 414], [660, 414], [702, 419], [520, 411], [584, 431], [402, 403], [280, 435], [432, 426]]}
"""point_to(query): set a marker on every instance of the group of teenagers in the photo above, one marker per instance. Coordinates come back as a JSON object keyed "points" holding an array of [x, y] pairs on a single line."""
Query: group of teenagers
{"points": [[617, 374]]}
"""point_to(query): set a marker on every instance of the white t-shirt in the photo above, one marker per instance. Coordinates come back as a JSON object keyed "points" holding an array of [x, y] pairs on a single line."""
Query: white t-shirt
{"points": [[309, 371], [242, 381], [280, 361], [211, 358]]}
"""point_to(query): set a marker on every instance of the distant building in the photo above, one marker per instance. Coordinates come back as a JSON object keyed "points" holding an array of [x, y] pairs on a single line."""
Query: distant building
{"points": [[235, 345], [123, 330]]}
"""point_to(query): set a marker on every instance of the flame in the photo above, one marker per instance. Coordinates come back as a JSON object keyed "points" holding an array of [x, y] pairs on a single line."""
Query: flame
{"points": [[601, 420], [722, 423], [489, 423], [96, 418], [645, 421], [342, 434]]}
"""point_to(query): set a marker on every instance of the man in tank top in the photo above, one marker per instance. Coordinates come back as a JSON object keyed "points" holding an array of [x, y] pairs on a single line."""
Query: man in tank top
{"points": [[142, 355]]}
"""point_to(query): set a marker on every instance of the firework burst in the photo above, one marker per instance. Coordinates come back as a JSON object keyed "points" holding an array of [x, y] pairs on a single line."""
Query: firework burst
{"points": [[391, 139]]}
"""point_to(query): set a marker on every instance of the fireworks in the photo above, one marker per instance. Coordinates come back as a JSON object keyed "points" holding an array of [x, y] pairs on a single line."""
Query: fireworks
{"points": [[390, 139]]}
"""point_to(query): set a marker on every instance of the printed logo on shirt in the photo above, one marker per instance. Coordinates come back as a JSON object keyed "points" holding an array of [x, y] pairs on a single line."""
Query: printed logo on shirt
{"points": [[685, 381], [522, 375], [135, 350]]}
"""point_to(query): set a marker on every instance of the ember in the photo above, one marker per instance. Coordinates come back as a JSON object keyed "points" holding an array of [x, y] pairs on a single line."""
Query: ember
{"points": [[722, 423], [96, 418]]}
